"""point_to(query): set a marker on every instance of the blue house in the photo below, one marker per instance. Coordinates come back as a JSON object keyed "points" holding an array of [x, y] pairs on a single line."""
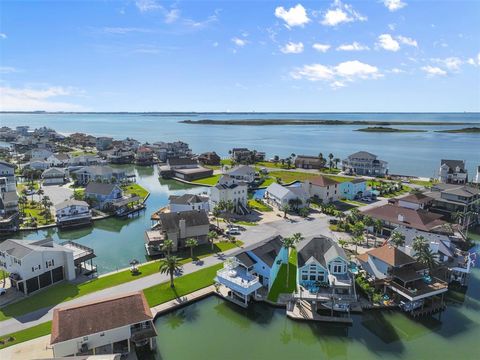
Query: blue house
{"points": [[252, 269], [103, 194], [353, 189]]}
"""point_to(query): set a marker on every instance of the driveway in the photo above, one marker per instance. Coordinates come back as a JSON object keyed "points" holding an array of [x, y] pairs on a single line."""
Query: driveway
{"points": [[56, 193]]}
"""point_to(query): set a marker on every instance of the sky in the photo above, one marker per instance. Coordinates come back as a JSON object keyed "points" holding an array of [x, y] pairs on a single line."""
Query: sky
{"points": [[264, 56]]}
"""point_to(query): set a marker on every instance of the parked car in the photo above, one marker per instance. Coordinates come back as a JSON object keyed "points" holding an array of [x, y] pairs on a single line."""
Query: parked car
{"points": [[233, 231], [3, 291]]}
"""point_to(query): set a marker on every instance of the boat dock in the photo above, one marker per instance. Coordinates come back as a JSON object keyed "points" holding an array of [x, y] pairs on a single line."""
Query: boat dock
{"points": [[182, 301], [302, 310]]}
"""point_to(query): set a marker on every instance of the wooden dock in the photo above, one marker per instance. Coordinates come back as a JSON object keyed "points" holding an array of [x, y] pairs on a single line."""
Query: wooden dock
{"points": [[182, 301], [302, 310]]}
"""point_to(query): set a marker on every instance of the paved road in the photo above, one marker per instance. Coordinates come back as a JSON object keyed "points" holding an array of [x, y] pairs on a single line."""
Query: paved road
{"points": [[318, 224], [56, 193]]}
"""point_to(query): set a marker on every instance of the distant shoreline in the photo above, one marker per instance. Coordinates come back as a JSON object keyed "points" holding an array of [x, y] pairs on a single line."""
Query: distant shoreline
{"points": [[267, 122], [469, 130], [382, 129]]}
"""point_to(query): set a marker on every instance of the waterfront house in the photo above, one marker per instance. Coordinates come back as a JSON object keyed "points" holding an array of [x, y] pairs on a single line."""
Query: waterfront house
{"points": [[7, 177], [254, 268], [279, 196], [54, 176], [165, 151], [188, 202], [36, 264], [309, 162], [84, 160], [178, 227], [186, 169], [71, 213], [352, 189], [99, 174], [230, 189], [242, 173], [451, 198], [118, 155], [8, 202], [38, 154], [392, 215], [322, 188], [452, 172], [323, 272], [404, 279], [103, 143], [144, 156], [102, 195], [209, 158], [364, 163], [81, 139], [107, 326], [244, 155]]}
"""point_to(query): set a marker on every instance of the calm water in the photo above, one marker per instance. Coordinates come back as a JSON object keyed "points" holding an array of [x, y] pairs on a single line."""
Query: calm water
{"points": [[117, 241], [214, 329], [407, 153]]}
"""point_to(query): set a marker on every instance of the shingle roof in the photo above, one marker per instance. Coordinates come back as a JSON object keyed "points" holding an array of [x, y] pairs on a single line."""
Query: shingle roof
{"points": [[99, 188], [416, 198], [363, 155], [70, 202], [277, 190], [246, 259], [452, 164], [241, 170], [10, 196], [7, 164], [391, 256], [181, 161], [53, 170], [89, 318], [15, 248], [268, 250], [170, 221], [97, 170], [187, 199], [321, 248], [322, 181]]}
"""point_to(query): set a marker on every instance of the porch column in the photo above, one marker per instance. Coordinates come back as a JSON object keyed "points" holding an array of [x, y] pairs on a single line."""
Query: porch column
{"points": [[128, 345]]}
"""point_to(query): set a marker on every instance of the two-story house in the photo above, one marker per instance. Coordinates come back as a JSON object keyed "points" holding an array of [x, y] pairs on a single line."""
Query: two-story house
{"points": [[364, 163], [107, 326], [102, 195], [309, 162], [103, 143], [279, 196], [99, 174], [243, 173], [353, 189], [70, 213], [7, 177], [452, 172], [322, 188], [54, 176], [186, 202], [230, 189]]}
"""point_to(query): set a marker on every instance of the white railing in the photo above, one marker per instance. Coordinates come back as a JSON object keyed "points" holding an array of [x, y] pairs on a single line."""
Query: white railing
{"points": [[242, 279]]}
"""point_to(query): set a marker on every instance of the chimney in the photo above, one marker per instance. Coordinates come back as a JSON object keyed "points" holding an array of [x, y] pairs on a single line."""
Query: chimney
{"points": [[401, 218]]}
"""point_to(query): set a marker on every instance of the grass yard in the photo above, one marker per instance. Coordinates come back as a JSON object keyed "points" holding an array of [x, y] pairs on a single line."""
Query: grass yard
{"points": [[134, 189], [290, 176], [259, 206], [25, 335], [36, 212], [227, 162], [68, 291], [268, 181], [81, 153], [269, 164], [422, 183], [279, 286], [339, 179], [185, 284], [21, 186], [211, 180]]}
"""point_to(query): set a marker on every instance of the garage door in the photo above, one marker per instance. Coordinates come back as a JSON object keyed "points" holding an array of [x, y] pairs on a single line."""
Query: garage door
{"points": [[57, 274]]}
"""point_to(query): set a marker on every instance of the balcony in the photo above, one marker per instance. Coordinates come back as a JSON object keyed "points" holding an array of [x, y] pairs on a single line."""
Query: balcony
{"points": [[238, 279], [419, 289]]}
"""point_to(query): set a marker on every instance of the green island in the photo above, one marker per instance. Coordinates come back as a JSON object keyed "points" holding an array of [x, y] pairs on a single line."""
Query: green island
{"points": [[384, 129], [259, 122], [470, 130]]}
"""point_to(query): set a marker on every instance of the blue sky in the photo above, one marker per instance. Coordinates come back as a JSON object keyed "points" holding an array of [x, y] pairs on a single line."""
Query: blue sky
{"points": [[148, 55]]}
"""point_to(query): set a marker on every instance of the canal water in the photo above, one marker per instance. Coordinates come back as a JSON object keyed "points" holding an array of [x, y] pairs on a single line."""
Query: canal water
{"points": [[215, 329], [118, 241]]}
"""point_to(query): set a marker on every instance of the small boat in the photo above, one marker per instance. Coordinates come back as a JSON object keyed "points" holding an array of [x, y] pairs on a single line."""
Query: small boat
{"points": [[337, 306]]}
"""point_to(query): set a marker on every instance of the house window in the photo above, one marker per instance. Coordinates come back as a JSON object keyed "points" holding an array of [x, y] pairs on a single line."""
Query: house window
{"points": [[337, 268], [304, 277]]}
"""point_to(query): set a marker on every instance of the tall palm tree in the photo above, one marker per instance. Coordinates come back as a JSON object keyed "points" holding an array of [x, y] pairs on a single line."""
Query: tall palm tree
{"points": [[191, 243], [330, 162], [290, 243], [40, 193], [357, 240], [216, 213], [170, 265], [427, 257], [419, 244], [378, 226], [336, 161], [367, 221], [212, 235], [397, 239], [285, 208], [167, 246]]}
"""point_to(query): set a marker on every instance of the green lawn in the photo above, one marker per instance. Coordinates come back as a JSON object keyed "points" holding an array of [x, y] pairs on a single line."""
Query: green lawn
{"points": [[268, 181], [36, 212], [259, 206], [135, 189], [81, 153], [340, 179], [269, 164], [227, 162], [280, 284], [67, 291], [21, 186], [291, 176], [186, 284], [211, 180], [25, 335], [422, 183]]}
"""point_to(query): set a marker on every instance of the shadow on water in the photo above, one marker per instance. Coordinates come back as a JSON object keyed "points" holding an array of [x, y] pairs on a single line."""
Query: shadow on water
{"points": [[258, 314]]}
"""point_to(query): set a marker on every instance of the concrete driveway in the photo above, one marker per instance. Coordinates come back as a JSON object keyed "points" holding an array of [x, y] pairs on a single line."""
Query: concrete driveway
{"points": [[56, 193]]}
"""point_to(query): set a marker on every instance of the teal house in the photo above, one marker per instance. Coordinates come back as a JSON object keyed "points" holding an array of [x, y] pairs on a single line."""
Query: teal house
{"points": [[353, 189]]}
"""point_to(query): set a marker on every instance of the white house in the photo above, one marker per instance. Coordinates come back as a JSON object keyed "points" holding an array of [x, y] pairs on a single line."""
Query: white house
{"points": [[54, 176], [242, 173], [40, 154], [322, 188], [37, 164], [33, 265], [58, 160], [72, 213], [106, 326], [230, 189], [99, 174], [7, 177], [187, 202], [279, 196], [364, 163], [452, 172]]}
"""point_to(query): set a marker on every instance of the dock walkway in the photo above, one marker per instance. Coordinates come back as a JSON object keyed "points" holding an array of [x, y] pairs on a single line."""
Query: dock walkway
{"points": [[302, 310], [182, 301]]}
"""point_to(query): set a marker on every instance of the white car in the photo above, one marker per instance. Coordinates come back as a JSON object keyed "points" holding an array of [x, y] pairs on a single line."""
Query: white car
{"points": [[233, 231]]}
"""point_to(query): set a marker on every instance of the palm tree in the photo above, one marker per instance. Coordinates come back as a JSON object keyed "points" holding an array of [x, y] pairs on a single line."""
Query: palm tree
{"points": [[303, 212], [290, 243], [216, 213], [419, 244], [212, 235], [336, 161], [285, 208], [22, 201], [397, 239], [354, 215], [40, 193], [457, 216], [330, 162], [357, 240], [378, 226], [170, 265], [342, 242], [427, 257], [167, 246], [191, 243], [367, 221]]}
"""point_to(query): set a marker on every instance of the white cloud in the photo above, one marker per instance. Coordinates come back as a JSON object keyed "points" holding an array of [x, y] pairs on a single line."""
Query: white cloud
{"points": [[337, 76], [172, 15], [392, 27], [397, 71], [387, 42], [30, 99], [434, 71], [451, 63], [407, 41], [474, 62], [239, 42], [341, 13], [394, 5], [292, 48], [3, 36], [201, 24], [321, 47], [355, 46], [295, 16], [147, 5], [7, 70]]}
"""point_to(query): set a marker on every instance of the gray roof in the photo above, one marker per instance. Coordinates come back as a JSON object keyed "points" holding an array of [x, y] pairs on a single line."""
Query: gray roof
{"points": [[21, 248], [452, 164], [99, 188], [52, 170], [10, 196], [70, 202], [268, 250], [6, 164], [170, 221], [241, 170], [246, 259], [277, 190], [321, 248], [363, 155], [97, 170], [181, 161], [187, 199]]}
